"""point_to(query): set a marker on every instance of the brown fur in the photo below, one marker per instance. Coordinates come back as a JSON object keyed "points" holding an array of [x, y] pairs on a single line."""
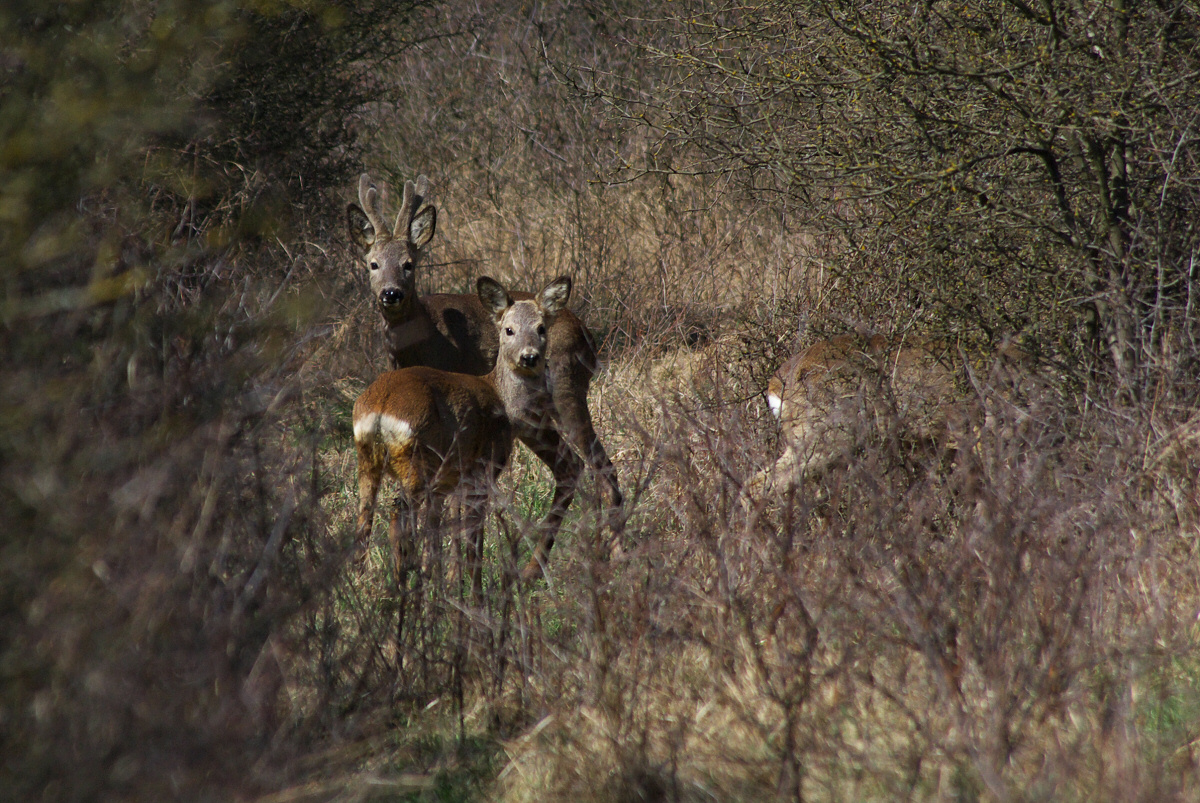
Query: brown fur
{"points": [[829, 390], [456, 333], [435, 432]]}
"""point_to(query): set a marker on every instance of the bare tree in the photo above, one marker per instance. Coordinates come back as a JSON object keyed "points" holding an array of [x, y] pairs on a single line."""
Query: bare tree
{"points": [[997, 167]]}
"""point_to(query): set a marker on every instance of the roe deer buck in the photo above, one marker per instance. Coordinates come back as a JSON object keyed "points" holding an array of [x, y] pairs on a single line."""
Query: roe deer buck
{"points": [[455, 333], [829, 396], [436, 431]]}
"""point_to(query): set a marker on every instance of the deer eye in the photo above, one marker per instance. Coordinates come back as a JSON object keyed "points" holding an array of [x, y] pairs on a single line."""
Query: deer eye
{"points": [[508, 331], [541, 329], [374, 266], [408, 268]]}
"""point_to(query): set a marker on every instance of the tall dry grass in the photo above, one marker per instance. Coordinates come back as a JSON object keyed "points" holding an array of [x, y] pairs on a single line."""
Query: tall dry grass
{"points": [[1011, 622]]}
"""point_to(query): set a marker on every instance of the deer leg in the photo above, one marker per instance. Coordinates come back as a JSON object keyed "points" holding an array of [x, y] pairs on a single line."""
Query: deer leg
{"points": [[566, 466], [402, 540], [432, 534], [575, 424], [403, 533], [370, 475], [474, 506], [578, 431], [778, 480]]}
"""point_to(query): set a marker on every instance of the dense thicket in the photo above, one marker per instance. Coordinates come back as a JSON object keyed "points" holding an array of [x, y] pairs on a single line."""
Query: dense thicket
{"points": [[157, 534], [993, 169], [183, 333]]}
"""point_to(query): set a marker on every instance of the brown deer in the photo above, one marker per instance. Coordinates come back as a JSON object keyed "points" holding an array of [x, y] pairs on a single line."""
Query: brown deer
{"points": [[456, 333], [829, 396], [435, 432], [984, 415]]}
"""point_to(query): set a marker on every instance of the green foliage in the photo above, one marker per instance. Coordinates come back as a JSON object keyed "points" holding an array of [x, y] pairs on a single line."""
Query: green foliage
{"points": [[84, 88], [1169, 711]]}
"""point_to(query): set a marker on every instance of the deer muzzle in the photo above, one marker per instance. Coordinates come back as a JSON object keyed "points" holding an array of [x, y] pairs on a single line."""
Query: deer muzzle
{"points": [[391, 296]]}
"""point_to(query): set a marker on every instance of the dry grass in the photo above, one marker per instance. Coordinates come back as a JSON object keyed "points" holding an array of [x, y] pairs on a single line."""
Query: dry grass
{"points": [[987, 633], [916, 685], [1016, 621], [1017, 625], [1012, 626]]}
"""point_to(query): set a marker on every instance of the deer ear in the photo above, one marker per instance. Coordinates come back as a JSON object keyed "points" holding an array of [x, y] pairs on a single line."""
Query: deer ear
{"points": [[554, 296], [362, 233], [493, 295], [423, 225]]}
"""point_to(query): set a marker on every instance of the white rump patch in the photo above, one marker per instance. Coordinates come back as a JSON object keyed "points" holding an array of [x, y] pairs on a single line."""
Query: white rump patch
{"points": [[775, 403], [383, 427]]}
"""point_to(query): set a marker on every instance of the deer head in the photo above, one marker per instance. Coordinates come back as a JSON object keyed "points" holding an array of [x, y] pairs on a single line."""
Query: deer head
{"points": [[391, 254], [523, 324]]}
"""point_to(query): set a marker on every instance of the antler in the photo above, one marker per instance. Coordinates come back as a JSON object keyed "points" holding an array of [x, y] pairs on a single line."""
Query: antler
{"points": [[414, 199], [369, 200]]}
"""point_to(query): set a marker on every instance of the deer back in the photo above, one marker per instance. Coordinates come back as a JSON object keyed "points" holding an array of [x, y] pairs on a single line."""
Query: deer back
{"points": [[440, 427], [826, 394]]}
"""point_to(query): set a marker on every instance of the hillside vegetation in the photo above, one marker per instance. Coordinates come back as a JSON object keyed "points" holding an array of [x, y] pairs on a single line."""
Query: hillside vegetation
{"points": [[1010, 616]]}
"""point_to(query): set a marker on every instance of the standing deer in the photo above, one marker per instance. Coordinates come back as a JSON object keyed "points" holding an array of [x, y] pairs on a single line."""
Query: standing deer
{"points": [[829, 396], [456, 333], [434, 431]]}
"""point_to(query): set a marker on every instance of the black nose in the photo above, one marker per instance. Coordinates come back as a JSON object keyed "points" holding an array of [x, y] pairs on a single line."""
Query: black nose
{"points": [[530, 360], [391, 296]]}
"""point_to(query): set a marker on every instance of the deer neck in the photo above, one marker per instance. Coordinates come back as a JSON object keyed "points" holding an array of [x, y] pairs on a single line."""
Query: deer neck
{"points": [[527, 401], [409, 331]]}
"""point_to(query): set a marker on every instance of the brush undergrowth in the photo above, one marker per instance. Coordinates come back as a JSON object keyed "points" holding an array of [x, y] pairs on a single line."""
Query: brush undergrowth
{"points": [[186, 331]]}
